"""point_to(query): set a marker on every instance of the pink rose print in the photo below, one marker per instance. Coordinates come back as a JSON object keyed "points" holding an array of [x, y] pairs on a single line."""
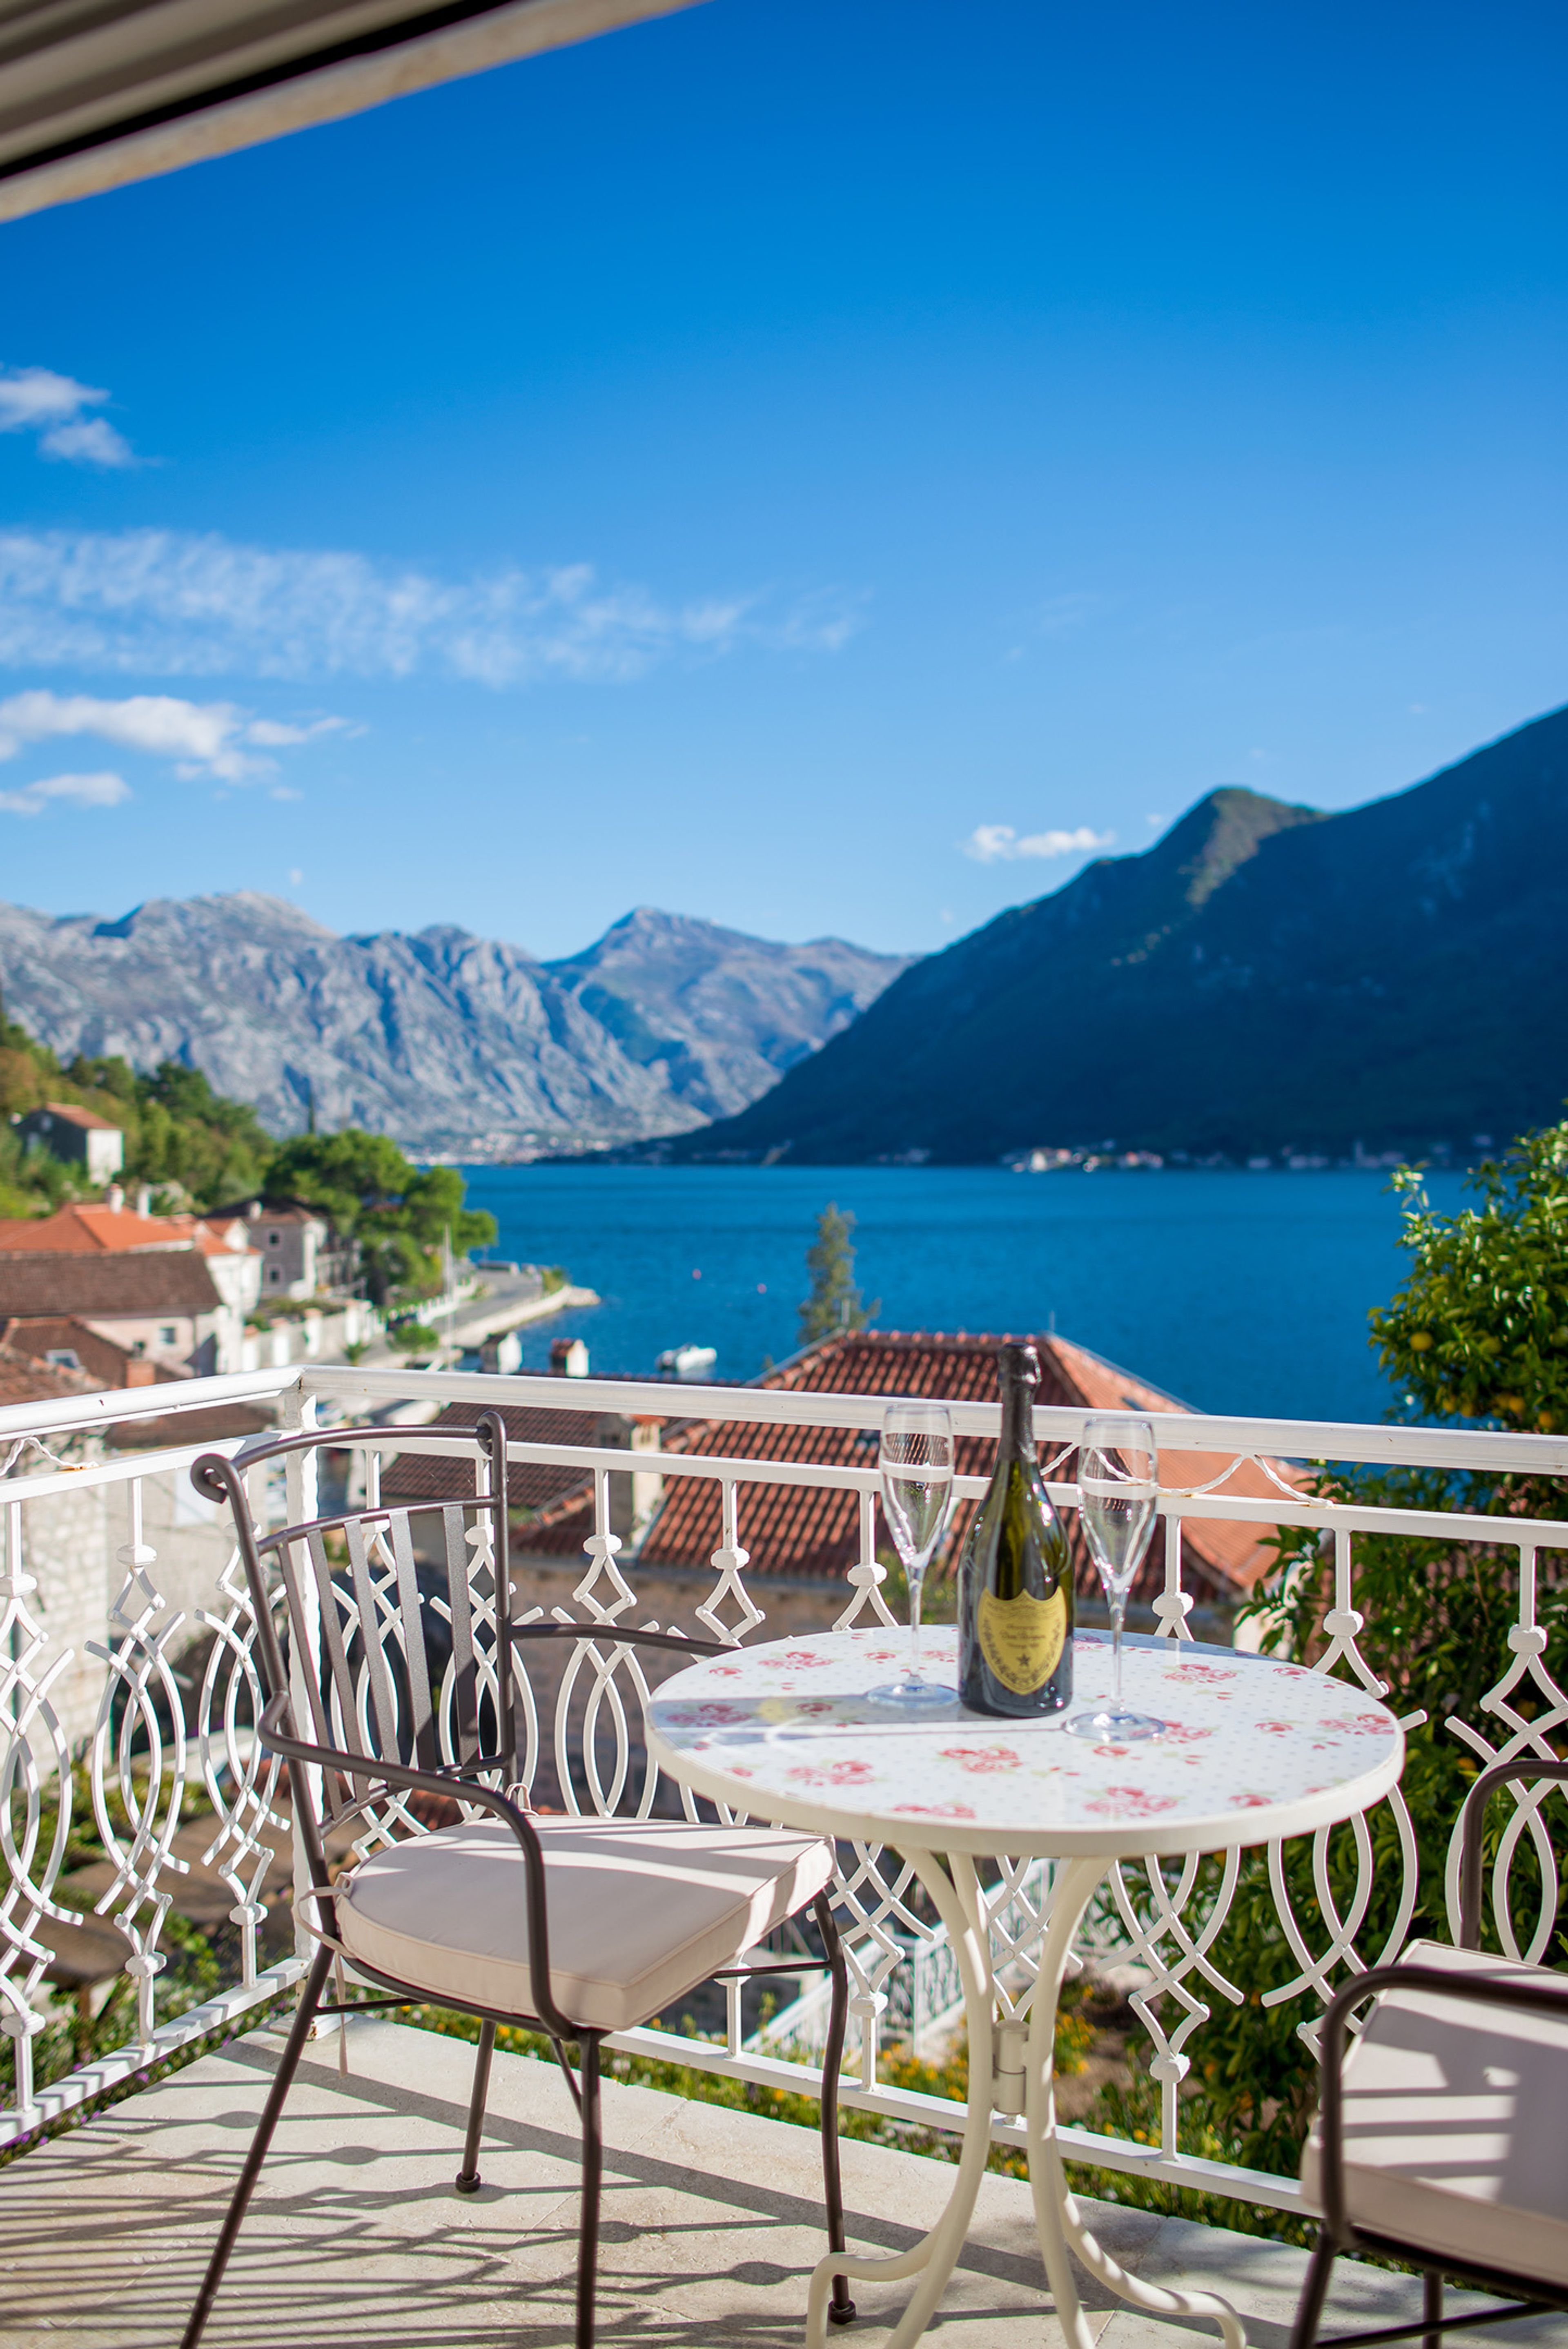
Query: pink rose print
{"points": [[980, 1759], [933, 1810], [803, 1660], [1205, 1676], [1176, 1733], [1250, 1802], [1118, 1802], [705, 1716], [832, 1774], [726, 1672], [1277, 1728]]}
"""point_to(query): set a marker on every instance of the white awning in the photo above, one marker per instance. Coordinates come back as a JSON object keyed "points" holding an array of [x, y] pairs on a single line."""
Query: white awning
{"points": [[96, 93]]}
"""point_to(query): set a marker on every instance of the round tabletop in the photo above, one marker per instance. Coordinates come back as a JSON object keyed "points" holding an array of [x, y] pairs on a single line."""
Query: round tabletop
{"points": [[1253, 1749]]}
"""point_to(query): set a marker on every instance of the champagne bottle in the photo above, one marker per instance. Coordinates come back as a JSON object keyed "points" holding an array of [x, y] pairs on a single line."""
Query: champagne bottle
{"points": [[1016, 1581]]}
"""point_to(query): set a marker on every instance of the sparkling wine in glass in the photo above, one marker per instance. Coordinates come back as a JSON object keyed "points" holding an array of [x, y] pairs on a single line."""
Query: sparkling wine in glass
{"points": [[916, 1463], [1119, 1499]]}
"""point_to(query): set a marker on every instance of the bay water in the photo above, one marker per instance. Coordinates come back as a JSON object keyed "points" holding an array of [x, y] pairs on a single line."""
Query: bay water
{"points": [[1234, 1292]]}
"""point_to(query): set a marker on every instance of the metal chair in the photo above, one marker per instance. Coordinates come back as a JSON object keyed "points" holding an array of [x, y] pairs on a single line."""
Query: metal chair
{"points": [[577, 1926], [1442, 2136]]}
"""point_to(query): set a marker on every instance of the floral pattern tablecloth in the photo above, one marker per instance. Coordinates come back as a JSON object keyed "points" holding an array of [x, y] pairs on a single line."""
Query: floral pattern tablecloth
{"points": [[1254, 1748]]}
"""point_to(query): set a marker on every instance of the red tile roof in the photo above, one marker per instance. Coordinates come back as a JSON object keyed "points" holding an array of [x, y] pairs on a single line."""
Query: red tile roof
{"points": [[83, 1229], [810, 1533], [146, 1281], [75, 1115], [106, 1364], [24, 1380], [433, 1477]]}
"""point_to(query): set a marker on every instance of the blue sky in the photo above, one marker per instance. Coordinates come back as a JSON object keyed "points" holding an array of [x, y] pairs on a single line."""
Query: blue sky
{"points": [[823, 465]]}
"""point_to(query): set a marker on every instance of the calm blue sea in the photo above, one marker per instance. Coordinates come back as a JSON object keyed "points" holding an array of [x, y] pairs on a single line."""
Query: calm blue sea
{"points": [[1236, 1292]]}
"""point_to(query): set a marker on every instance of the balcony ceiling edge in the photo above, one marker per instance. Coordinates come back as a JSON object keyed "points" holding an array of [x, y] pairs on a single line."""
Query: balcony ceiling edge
{"points": [[75, 122]]}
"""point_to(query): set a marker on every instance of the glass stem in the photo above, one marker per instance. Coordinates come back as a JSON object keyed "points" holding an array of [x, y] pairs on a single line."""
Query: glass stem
{"points": [[1118, 1618], [916, 1578]]}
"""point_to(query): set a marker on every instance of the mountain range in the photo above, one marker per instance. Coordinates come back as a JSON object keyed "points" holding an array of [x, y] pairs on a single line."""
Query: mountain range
{"points": [[1264, 978], [444, 1039]]}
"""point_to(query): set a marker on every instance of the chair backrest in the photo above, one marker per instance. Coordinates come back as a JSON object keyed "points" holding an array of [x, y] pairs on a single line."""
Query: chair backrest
{"points": [[383, 1657], [1524, 1767]]}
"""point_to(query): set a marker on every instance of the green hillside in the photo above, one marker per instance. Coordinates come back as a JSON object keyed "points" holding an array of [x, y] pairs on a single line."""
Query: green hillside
{"points": [[177, 1130], [199, 1150]]}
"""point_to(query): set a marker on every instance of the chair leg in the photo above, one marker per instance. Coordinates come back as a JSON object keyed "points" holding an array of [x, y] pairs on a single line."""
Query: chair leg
{"points": [[468, 2179], [1433, 2308], [1314, 2293], [840, 2307], [283, 2079], [592, 2181]]}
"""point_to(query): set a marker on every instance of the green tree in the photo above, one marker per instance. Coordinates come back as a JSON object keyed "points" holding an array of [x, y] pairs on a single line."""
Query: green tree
{"points": [[399, 1214], [1478, 1332], [835, 1302], [177, 1130]]}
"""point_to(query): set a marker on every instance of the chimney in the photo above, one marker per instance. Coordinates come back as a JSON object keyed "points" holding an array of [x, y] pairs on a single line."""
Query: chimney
{"points": [[114, 1198], [253, 1212], [144, 1200], [569, 1359]]}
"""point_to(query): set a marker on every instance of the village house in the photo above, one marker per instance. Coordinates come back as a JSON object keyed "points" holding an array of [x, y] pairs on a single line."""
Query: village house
{"points": [[301, 1253], [77, 1137], [112, 1229], [163, 1305]]}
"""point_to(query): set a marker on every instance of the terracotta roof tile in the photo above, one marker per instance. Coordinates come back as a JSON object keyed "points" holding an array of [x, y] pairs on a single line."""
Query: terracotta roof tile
{"points": [[22, 1380], [807, 1532], [106, 1364], [74, 1114], [435, 1476], [153, 1280]]}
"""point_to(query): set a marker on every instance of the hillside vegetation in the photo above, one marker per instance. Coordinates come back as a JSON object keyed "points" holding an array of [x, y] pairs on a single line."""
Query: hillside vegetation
{"points": [[177, 1130], [196, 1149]]}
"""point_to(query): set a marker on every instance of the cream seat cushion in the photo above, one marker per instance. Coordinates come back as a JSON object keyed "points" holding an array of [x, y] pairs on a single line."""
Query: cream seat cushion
{"points": [[639, 1911], [1456, 2124]]}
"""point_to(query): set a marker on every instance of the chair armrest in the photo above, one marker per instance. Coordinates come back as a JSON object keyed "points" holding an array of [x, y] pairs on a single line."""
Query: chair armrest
{"points": [[277, 1739], [1472, 1819], [1549, 1996]]}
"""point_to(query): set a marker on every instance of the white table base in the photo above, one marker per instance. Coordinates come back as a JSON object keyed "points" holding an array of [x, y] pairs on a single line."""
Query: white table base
{"points": [[955, 1893]]}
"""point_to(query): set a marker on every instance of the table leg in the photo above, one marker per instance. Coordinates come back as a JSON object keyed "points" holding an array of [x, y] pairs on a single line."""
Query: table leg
{"points": [[958, 1903], [1056, 2214]]}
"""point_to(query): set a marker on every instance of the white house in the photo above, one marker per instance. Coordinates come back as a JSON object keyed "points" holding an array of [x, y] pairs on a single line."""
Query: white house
{"points": [[77, 1136]]}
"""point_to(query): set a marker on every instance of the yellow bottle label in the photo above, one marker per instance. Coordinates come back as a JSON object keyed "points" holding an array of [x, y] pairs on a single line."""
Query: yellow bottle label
{"points": [[1022, 1639]]}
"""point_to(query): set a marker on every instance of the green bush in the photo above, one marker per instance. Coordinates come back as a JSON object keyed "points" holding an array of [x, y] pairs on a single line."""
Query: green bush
{"points": [[414, 1338]]}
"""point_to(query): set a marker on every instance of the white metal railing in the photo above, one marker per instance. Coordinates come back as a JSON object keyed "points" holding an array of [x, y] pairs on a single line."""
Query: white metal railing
{"points": [[89, 1669]]}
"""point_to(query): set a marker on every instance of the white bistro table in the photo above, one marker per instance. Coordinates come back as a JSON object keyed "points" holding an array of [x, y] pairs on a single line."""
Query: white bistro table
{"points": [[1255, 1749]]}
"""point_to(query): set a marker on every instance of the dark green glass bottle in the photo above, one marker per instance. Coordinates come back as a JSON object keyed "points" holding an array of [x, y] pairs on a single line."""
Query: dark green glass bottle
{"points": [[1015, 1582]]}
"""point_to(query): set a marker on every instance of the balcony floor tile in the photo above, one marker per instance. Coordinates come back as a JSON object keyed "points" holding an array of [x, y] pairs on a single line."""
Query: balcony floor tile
{"points": [[712, 2219]]}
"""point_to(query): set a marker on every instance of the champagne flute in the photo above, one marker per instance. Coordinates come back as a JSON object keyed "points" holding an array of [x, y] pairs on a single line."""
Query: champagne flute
{"points": [[1119, 1499], [916, 1463]]}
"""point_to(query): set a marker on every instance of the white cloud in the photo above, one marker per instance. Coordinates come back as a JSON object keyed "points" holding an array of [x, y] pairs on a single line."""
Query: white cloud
{"points": [[75, 791], [991, 843], [36, 400], [179, 606], [205, 738]]}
